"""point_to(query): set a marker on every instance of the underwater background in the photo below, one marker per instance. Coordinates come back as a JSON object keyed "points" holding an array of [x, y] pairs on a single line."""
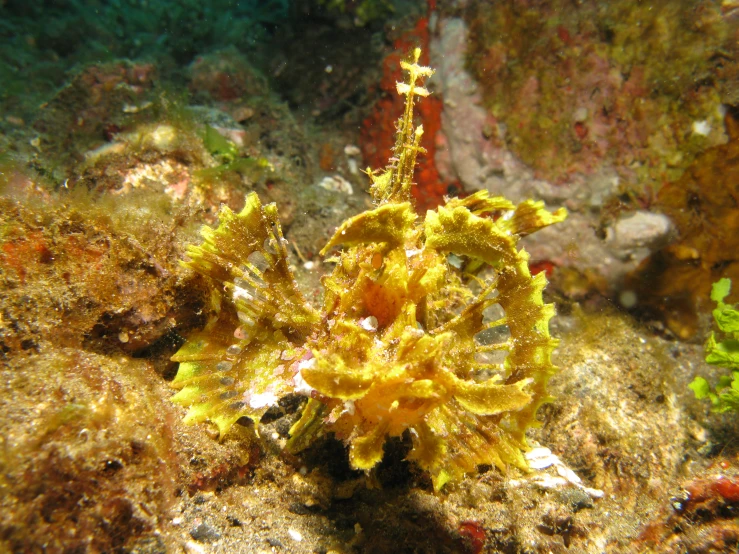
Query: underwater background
{"points": [[134, 132]]}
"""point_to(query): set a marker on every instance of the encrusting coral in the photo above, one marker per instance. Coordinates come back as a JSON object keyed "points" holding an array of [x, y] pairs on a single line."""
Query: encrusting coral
{"points": [[407, 336]]}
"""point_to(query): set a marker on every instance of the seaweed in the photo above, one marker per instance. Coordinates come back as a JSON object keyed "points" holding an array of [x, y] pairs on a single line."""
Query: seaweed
{"points": [[724, 353]]}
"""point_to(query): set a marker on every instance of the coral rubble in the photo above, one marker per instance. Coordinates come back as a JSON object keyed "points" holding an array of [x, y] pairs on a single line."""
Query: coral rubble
{"points": [[414, 314]]}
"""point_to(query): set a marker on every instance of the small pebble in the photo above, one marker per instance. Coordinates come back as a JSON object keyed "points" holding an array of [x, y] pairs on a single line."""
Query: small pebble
{"points": [[336, 183], [204, 533], [352, 150], [576, 498], [242, 113], [194, 548], [635, 236], [628, 299], [298, 509]]}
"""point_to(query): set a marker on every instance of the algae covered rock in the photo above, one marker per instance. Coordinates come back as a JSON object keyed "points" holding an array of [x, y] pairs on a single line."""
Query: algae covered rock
{"points": [[88, 459]]}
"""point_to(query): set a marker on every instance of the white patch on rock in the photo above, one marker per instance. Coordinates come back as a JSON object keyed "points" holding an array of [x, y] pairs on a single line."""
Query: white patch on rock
{"points": [[336, 183]]}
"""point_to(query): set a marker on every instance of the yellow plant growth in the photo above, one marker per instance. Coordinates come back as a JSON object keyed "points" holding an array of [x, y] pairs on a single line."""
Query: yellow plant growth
{"points": [[431, 325]]}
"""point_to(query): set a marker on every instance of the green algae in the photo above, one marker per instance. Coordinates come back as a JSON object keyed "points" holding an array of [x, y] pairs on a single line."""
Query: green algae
{"points": [[724, 353]]}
